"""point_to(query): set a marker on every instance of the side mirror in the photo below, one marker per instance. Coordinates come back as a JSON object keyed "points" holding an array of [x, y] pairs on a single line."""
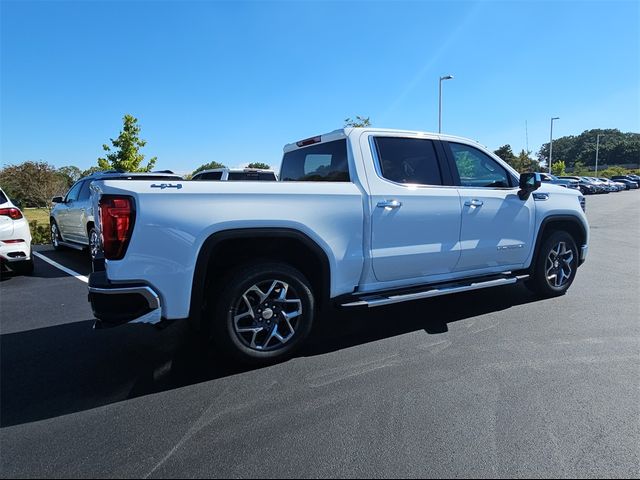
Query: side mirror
{"points": [[57, 200], [529, 182]]}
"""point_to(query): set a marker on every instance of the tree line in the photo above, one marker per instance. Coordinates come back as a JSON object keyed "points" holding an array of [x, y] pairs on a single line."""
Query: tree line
{"points": [[35, 183]]}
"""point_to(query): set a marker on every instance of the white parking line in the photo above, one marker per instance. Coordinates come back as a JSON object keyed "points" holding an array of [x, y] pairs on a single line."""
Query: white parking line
{"points": [[82, 278]]}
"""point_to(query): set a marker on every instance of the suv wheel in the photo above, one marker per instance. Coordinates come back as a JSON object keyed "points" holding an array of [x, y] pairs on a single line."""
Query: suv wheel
{"points": [[263, 313], [556, 265], [55, 235], [94, 243]]}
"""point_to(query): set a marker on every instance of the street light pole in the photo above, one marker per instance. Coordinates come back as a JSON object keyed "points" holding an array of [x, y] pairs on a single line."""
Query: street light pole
{"points": [[597, 147], [446, 77], [551, 143]]}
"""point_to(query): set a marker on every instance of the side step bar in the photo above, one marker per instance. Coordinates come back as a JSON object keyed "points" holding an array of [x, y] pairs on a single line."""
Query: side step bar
{"points": [[377, 300], [75, 246]]}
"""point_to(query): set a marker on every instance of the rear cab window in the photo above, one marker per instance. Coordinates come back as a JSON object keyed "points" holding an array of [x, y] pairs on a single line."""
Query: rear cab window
{"points": [[261, 176], [323, 162], [408, 160]]}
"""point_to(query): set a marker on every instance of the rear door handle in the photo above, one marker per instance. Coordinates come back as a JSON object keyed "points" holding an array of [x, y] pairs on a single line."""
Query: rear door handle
{"points": [[390, 204], [473, 203]]}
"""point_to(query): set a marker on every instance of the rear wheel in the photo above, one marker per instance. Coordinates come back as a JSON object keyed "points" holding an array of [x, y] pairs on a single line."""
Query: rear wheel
{"points": [[264, 312], [556, 265], [55, 235], [94, 243]]}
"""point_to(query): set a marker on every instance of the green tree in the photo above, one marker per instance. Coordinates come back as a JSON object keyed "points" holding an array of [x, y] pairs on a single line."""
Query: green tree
{"points": [[358, 122], [506, 154], [70, 174], [208, 166], [33, 184], [558, 168], [260, 165], [126, 154], [614, 148], [580, 169]]}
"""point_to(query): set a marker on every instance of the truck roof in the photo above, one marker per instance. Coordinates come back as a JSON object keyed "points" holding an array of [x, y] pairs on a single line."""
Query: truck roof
{"points": [[345, 132]]}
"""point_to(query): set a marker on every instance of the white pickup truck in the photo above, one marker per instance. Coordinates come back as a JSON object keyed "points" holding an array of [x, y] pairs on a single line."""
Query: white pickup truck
{"points": [[359, 217]]}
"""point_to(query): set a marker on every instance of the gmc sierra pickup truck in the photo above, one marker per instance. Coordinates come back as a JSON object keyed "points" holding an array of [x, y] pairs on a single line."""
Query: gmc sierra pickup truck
{"points": [[359, 217]]}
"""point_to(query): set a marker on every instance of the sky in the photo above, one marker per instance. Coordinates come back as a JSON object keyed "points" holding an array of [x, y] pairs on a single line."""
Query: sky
{"points": [[235, 81]]}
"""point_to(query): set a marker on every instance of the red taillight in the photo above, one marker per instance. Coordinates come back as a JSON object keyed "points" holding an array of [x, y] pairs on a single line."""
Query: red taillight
{"points": [[117, 216], [309, 141], [13, 213]]}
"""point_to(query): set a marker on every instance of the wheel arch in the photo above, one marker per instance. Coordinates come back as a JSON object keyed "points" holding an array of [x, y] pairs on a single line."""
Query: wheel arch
{"points": [[223, 250], [568, 223]]}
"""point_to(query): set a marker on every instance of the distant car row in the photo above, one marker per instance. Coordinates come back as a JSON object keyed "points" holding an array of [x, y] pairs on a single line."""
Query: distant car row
{"points": [[592, 185]]}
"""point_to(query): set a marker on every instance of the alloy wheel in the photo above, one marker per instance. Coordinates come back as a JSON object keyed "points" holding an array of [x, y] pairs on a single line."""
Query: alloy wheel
{"points": [[54, 234], [94, 243], [267, 315], [558, 267]]}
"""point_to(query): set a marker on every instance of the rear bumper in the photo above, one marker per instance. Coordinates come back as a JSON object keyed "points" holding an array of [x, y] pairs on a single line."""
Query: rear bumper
{"points": [[117, 304], [15, 252]]}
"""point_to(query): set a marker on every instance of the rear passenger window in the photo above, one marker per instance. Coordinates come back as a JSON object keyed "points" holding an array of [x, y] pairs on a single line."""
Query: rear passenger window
{"points": [[323, 162], [408, 160], [84, 191], [72, 195]]}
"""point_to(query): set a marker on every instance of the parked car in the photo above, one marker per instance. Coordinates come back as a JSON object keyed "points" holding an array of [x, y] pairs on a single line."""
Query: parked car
{"points": [[72, 219], [549, 178], [15, 237], [615, 186], [360, 217], [603, 185], [627, 180], [587, 188], [246, 174]]}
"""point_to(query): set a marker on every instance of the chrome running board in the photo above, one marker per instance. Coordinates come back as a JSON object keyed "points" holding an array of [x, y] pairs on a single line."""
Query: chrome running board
{"points": [[75, 246], [378, 300]]}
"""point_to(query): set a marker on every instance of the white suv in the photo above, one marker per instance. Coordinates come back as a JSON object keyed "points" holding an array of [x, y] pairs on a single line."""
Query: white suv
{"points": [[15, 237]]}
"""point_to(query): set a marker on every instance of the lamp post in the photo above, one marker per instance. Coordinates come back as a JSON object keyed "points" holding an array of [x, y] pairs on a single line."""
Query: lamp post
{"points": [[597, 148], [446, 77], [551, 143]]}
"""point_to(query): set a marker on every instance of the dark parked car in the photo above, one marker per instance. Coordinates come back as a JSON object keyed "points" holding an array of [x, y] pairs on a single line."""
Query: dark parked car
{"points": [[587, 188], [629, 182]]}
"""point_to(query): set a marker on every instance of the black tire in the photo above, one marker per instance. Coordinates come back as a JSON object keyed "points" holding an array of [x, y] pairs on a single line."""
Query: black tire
{"points": [[555, 266], [55, 235], [239, 307]]}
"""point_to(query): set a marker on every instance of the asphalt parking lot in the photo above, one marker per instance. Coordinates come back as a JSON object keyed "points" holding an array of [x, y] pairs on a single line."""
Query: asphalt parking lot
{"points": [[491, 383]]}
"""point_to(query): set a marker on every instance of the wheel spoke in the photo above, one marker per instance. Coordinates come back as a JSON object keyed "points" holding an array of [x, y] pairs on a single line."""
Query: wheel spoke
{"points": [[254, 331]]}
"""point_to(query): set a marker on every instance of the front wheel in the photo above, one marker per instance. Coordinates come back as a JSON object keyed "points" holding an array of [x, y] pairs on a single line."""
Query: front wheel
{"points": [[555, 266], [263, 313]]}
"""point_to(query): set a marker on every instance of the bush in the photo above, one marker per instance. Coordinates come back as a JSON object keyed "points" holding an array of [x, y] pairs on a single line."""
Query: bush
{"points": [[39, 233]]}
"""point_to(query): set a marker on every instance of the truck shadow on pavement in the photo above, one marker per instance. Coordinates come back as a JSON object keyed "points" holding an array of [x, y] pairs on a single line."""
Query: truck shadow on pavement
{"points": [[70, 368]]}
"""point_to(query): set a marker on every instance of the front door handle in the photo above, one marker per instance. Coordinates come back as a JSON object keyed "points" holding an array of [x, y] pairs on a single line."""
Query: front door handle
{"points": [[473, 203], [389, 204]]}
